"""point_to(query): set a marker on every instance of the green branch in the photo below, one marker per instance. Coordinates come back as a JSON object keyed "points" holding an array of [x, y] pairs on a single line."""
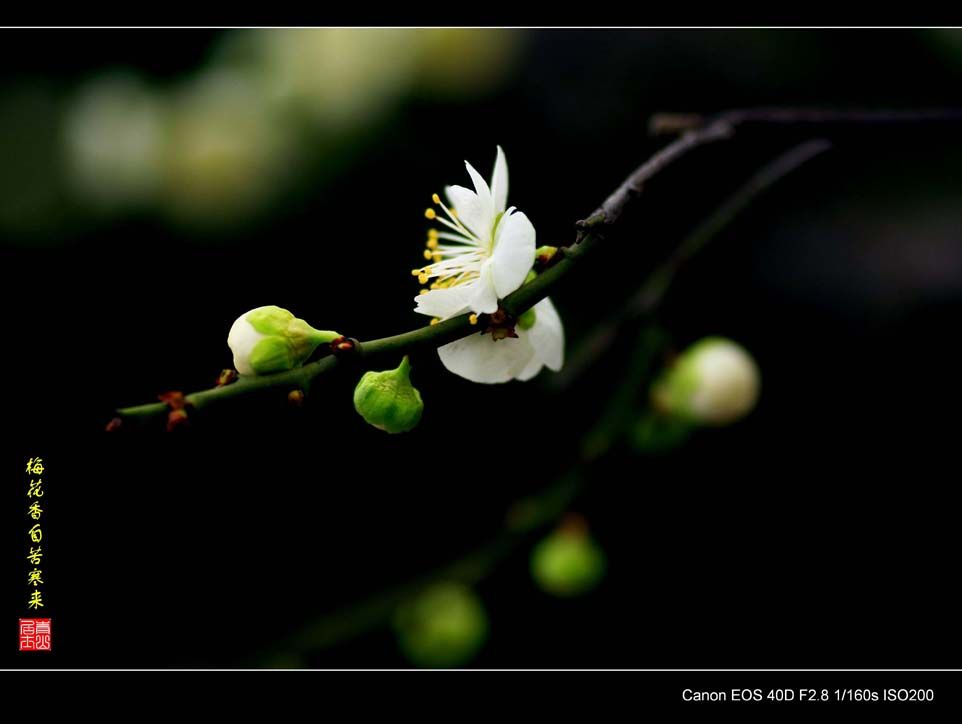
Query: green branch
{"points": [[698, 132]]}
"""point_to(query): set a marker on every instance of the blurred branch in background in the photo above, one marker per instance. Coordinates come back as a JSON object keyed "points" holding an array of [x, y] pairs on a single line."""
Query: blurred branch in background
{"points": [[529, 516], [646, 299]]}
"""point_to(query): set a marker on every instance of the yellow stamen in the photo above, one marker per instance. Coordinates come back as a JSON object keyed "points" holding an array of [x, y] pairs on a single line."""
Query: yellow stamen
{"points": [[416, 272], [423, 291], [434, 321], [428, 254], [432, 243], [436, 256], [423, 278], [429, 214], [433, 233], [435, 285], [473, 319], [435, 198]]}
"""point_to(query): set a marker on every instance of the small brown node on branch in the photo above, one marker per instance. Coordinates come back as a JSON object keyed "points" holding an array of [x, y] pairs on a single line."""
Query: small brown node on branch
{"points": [[177, 420], [547, 256], [177, 404], [114, 425], [175, 400], [344, 346], [226, 377], [500, 325], [592, 221], [295, 398]]}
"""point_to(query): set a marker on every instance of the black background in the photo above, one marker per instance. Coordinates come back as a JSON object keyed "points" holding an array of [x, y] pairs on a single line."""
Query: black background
{"points": [[819, 532]]}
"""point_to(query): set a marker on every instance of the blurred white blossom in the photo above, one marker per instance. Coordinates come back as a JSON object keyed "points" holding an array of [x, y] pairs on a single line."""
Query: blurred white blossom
{"points": [[227, 154], [114, 141], [341, 77], [463, 61]]}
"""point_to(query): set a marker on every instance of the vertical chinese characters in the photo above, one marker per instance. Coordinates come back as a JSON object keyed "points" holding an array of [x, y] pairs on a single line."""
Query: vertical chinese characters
{"points": [[34, 557]]}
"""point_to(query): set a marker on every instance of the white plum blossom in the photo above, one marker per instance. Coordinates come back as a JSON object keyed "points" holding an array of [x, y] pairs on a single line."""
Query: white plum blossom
{"points": [[481, 358], [486, 252]]}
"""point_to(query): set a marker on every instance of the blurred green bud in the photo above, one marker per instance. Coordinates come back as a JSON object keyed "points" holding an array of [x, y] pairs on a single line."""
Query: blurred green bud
{"points": [[271, 339], [657, 433], [568, 562], [713, 382], [441, 627], [388, 400]]}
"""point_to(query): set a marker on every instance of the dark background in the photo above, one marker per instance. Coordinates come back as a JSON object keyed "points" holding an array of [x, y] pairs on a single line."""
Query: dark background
{"points": [[819, 532]]}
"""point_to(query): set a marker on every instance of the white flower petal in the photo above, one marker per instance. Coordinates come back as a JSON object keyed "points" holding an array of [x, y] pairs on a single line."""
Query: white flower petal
{"points": [[499, 182], [484, 198], [472, 213], [442, 303], [533, 368], [242, 339], [513, 253], [481, 295], [547, 335], [479, 358]]}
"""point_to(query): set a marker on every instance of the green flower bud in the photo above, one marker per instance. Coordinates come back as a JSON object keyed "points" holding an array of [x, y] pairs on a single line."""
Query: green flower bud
{"points": [[568, 562], [388, 400], [442, 627], [271, 339], [713, 382]]}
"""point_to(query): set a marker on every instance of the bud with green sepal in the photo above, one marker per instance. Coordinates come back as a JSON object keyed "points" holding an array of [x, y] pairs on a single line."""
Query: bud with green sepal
{"points": [[270, 339], [443, 626], [568, 562], [713, 382], [388, 400]]}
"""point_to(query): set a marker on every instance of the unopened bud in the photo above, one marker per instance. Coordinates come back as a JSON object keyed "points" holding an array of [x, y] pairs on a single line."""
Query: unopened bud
{"points": [[271, 339], [544, 255], [226, 377], [388, 400], [713, 382], [443, 626], [295, 398], [568, 562]]}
